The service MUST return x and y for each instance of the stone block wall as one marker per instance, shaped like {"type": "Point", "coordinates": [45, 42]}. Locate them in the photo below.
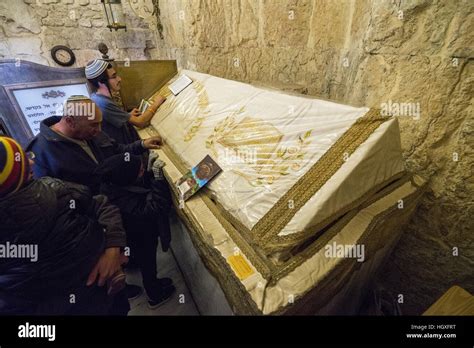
{"type": "Point", "coordinates": [403, 53]}
{"type": "Point", "coordinates": [30, 28]}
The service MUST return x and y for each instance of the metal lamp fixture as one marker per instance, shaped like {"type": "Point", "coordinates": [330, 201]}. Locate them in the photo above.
{"type": "Point", "coordinates": [114, 12]}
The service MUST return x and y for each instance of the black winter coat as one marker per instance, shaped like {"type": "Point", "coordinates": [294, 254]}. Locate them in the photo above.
{"type": "Point", "coordinates": [143, 208]}
{"type": "Point", "coordinates": [67, 224]}
{"type": "Point", "coordinates": [60, 158]}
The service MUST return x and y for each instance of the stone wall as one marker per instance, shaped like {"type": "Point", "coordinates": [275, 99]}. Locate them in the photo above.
{"type": "Point", "coordinates": [364, 52]}
{"type": "Point", "coordinates": [30, 28]}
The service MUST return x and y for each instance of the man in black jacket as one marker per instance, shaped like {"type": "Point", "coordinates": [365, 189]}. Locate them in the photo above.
{"type": "Point", "coordinates": [77, 237]}
{"type": "Point", "coordinates": [145, 210]}
{"type": "Point", "coordinates": [71, 147]}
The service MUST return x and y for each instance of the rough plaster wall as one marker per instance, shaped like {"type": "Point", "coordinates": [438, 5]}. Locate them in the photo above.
{"type": "Point", "coordinates": [364, 52]}
{"type": "Point", "coordinates": [30, 28]}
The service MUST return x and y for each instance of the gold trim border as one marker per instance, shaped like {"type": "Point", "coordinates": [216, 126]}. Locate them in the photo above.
{"type": "Point", "coordinates": [268, 227]}
{"type": "Point", "coordinates": [257, 250]}
{"type": "Point", "coordinates": [270, 271]}
{"type": "Point", "coordinates": [326, 236]}
{"type": "Point", "coordinates": [223, 217]}
{"type": "Point", "coordinates": [265, 233]}
{"type": "Point", "coordinates": [310, 302]}
{"type": "Point", "coordinates": [284, 242]}
{"type": "Point", "coordinates": [239, 298]}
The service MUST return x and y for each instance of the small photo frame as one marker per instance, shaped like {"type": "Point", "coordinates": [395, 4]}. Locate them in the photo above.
{"type": "Point", "coordinates": [197, 177]}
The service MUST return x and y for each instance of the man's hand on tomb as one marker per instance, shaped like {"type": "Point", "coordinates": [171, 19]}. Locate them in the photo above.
{"type": "Point", "coordinates": [153, 142]}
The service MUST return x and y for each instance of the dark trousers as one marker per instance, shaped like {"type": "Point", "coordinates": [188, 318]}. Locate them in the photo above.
{"type": "Point", "coordinates": [120, 305]}
{"type": "Point", "coordinates": [87, 300]}
{"type": "Point", "coordinates": [142, 236]}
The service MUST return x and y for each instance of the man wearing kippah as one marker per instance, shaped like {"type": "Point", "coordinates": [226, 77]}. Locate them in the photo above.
{"type": "Point", "coordinates": [71, 146]}
{"type": "Point", "coordinates": [73, 248]}
{"type": "Point", "coordinates": [117, 123]}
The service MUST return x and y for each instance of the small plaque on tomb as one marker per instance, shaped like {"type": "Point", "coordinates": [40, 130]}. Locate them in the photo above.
{"type": "Point", "coordinates": [240, 266]}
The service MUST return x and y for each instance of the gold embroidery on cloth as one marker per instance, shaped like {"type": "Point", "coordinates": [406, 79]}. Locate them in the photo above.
{"type": "Point", "coordinates": [233, 135]}
{"type": "Point", "coordinates": [279, 271]}
{"type": "Point", "coordinates": [265, 232]}
{"type": "Point", "coordinates": [255, 137]}
{"type": "Point", "coordinates": [272, 271]}
{"type": "Point", "coordinates": [256, 144]}
{"type": "Point", "coordinates": [171, 104]}
{"type": "Point", "coordinates": [228, 222]}
{"type": "Point", "coordinates": [203, 103]}
{"type": "Point", "coordinates": [268, 227]}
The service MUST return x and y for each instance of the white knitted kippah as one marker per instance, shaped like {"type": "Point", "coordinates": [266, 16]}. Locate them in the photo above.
{"type": "Point", "coordinates": [73, 98]}
{"type": "Point", "coordinates": [95, 68]}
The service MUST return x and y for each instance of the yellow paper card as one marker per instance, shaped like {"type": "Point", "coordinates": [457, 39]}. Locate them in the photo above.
{"type": "Point", "coordinates": [240, 266]}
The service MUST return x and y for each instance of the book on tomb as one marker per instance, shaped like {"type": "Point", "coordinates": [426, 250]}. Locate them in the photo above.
{"type": "Point", "coordinates": [197, 177]}
{"type": "Point", "coordinates": [180, 84]}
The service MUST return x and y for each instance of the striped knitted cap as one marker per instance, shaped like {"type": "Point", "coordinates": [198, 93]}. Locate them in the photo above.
{"type": "Point", "coordinates": [95, 68]}
{"type": "Point", "coordinates": [14, 166]}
